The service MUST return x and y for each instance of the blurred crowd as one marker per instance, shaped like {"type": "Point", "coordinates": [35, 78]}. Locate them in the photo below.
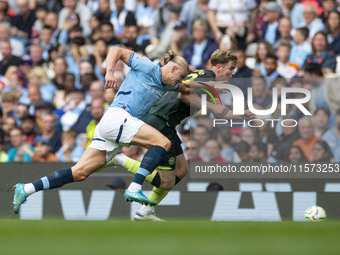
{"type": "Point", "coordinates": [52, 69]}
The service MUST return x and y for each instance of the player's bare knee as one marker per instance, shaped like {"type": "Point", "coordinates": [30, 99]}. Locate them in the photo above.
{"type": "Point", "coordinates": [166, 144]}
{"type": "Point", "coordinates": [79, 175]}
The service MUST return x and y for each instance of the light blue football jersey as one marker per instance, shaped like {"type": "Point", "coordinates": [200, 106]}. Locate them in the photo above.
{"type": "Point", "coordinates": [142, 87]}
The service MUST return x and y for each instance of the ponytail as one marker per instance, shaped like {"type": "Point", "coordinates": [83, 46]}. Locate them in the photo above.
{"type": "Point", "coordinates": [170, 56]}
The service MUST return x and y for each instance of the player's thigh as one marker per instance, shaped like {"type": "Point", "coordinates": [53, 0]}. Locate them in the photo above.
{"type": "Point", "coordinates": [148, 136]}
{"type": "Point", "coordinates": [91, 160]}
{"type": "Point", "coordinates": [182, 167]}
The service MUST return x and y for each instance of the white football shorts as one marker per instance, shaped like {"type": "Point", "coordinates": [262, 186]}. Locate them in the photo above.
{"type": "Point", "coordinates": [115, 130]}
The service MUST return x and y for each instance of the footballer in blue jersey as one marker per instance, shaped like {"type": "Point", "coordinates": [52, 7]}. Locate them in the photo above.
{"type": "Point", "coordinates": [122, 124]}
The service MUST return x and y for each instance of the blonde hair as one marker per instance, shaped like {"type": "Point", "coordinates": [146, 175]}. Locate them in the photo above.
{"type": "Point", "coordinates": [170, 56]}
{"type": "Point", "coordinates": [200, 23]}
{"type": "Point", "coordinates": [39, 72]}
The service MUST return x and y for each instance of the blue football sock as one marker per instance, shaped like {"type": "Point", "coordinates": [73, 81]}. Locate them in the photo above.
{"type": "Point", "coordinates": [149, 163]}
{"type": "Point", "coordinates": [54, 180]}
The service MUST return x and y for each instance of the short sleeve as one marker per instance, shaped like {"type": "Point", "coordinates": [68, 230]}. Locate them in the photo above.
{"type": "Point", "coordinates": [213, 5]}
{"type": "Point", "coordinates": [143, 64]}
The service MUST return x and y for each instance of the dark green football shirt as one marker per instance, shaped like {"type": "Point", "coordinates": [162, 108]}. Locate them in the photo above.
{"type": "Point", "coordinates": [170, 110]}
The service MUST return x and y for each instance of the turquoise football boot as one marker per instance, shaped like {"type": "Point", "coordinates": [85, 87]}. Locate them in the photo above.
{"type": "Point", "coordinates": [20, 196]}
{"type": "Point", "coordinates": [138, 197]}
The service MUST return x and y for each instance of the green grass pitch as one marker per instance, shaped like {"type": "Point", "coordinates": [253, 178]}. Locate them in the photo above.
{"type": "Point", "coordinates": [173, 237]}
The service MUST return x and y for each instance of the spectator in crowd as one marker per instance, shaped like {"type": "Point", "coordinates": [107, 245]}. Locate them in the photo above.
{"type": "Point", "coordinates": [194, 10]}
{"type": "Point", "coordinates": [70, 151]}
{"type": "Point", "coordinates": [257, 31]}
{"type": "Point", "coordinates": [213, 151]}
{"type": "Point", "coordinates": [117, 184]}
{"type": "Point", "coordinates": [248, 135]}
{"type": "Point", "coordinates": [293, 10]}
{"type": "Point", "coordinates": [146, 12]}
{"type": "Point", "coordinates": [40, 14]}
{"type": "Point", "coordinates": [332, 137]}
{"type": "Point", "coordinates": [192, 150]}
{"type": "Point", "coordinates": [180, 38]}
{"type": "Point", "coordinates": [6, 10]}
{"type": "Point", "coordinates": [42, 151]}
{"type": "Point", "coordinates": [51, 20]}
{"type": "Point", "coordinates": [18, 47]}
{"type": "Point", "coordinates": [311, 21]}
{"type": "Point", "coordinates": [201, 135]}
{"type": "Point", "coordinates": [46, 41]}
{"type": "Point", "coordinates": [96, 90]}
{"type": "Point", "coordinates": [232, 17]}
{"type": "Point", "coordinates": [36, 53]}
{"type": "Point", "coordinates": [103, 12]}
{"type": "Point", "coordinates": [321, 54]}
{"type": "Point", "coordinates": [9, 101]}
{"type": "Point", "coordinates": [50, 132]}
{"type": "Point", "coordinates": [100, 51]}
{"type": "Point", "coordinates": [86, 74]}
{"type": "Point", "coordinates": [34, 96]}
{"type": "Point", "coordinates": [224, 139]}
{"type": "Point", "coordinates": [279, 83]}
{"type": "Point", "coordinates": [284, 28]}
{"type": "Point", "coordinates": [241, 155]}
{"type": "Point", "coordinates": [97, 111]}
{"type": "Point", "coordinates": [28, 127]}
{"type": "Point", "coordinates": [63, 96]}
{"type": "Point", "coordinates": [3, 154]}
{"type": "Point", "coordinates": [270, 29]}
{"type": "Point", "coordinates": [333, 31]}
{"type": "Point", "coordinates": [160, 46]}
{"type": "Point", "coordinates": [78, 7]}
{"type": "Point", "coordinates": [7, 58]}
{"type": "Point", "coordinates": [278, 145]}
{"type": "Point", "coordinates": [20, 151]}
{"type": "Point", "coordinates": [260, 95]}
{"type": "Point", "coordinates": [321, 117]}
{"type": "Point", "coordinates": [295, 155]}
{"type": "Point", "coordinates": [301, 48]}
{"type": "Point", "coordinates": [20, 112]}
{"type": "Point", "coordinates": [314, 75]}
{"type": "Point", "coordinates": [285, 68]}
{"type": "Point", "coordinates": [37, 76]}
{"type": "Point", "coordinates": [73, 110]}
{"type": "Point", "coordinates": [264, 131]}
{"type": "Point", "coordinates": [60, 69]}
{"type": "Point", "coordinates": [242, 70]}
{"type": "Point", "coordinates": [94, 24]}
{"type": "Point", "coordinates": [8, 124]}
{"type": "Point", "coordinates": [162, 18]}
{"type": "Point", "coordinates": [328, 6]}
{"type": "Point", "coordinates": [258, 152]}
{"type": "Point", "coordinates": [214, 186]}
{"type": "Point", "coordinates": [263, 49]}
{"type": "Point", "coordinates": [120, 18]}
{"type": "Point", "coordinates": [308, 138]}
{"type": "Point", "coordinates": [23, 22]}
{"type": "Point", "coordinates": [270, 69]}
{"type": "Point", "coordinates": [198, 52]}
{"type": "Point", "coordinates": [322, 152]}
{"type": "Point", "coordinates": [107, 33]}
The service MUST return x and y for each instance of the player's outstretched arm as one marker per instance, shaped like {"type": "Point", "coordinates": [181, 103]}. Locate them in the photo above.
{"type": "Point", "coordinates": [114, 55]}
